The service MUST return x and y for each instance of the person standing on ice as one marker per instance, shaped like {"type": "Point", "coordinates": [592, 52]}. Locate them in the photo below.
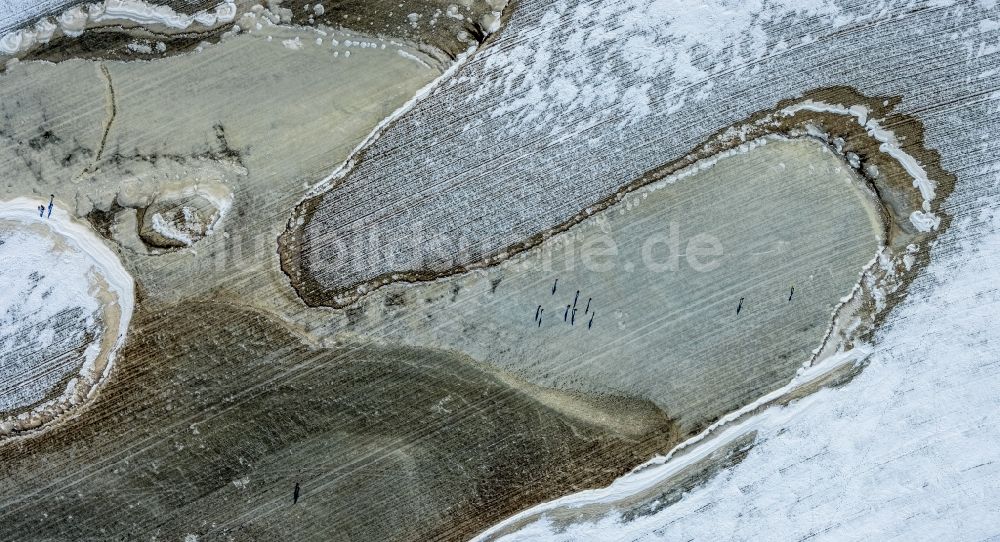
{"type": "Point", "coordinates": [51, 198]}
{"type": "Point", "coordinates": [41, 211]}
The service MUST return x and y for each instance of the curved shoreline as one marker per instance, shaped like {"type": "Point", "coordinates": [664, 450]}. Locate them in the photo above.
{"type": "Point", "coordinates": [847, 344]}
{"type": "Point", "coordinates": [74, 21]}
{"type": "Point", "coordinates": [909, 188]}
{"type": "Point", "coordinates": [689, 454]}
{"type": "Point", "coordinates": [120, 292]}
{"type": "Point", "coordinates": [835, 116]}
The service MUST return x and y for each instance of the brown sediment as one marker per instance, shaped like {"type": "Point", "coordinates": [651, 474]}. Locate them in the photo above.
{"type": "Point", "coordinates": [61, 406]}
{"type": "Point", "coordinates": [386, 18]}
{"type": "Point", "coordinates": [444, 41]}
{"type": "Point", "coordinates": [388, 443]}
{"type": "Point", "coordinates": [648, 503]}
{"type": "Point", "coordinates": [111, 43]}
{"type": "Point", "coordinates": [670, 490]}
{"type": "Point", "coordinates": [112, 112]}
{"type": "Point", "coordinates": [842, 133]}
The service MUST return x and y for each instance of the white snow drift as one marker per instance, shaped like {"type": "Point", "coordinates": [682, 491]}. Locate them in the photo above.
{"type": "Point", "coordinates": [66, 305]}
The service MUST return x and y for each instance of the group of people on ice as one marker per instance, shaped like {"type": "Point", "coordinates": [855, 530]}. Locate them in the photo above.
{"type": "Point", "coordinates": [41, 208]}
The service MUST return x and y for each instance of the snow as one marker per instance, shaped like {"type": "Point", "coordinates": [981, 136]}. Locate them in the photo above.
{"type": "Point", "coordinates": [452, 11]}
{"type": "Point", "coordinates": [140, 48]}
{"type": "Point", "coordinates": [51, 268]}
{"type": "Point", "coordinates": [908, 449]}
{"type": "Point", "coordinates": [491, 21]}
{"type": "Point", "coordinates": [603, 92]}
{"type": "Point", "coordinates": [169, 230]}
{"type": "Point", "coordinates": [140, 12]}
{"type": "Point", "coordinates": [34, 295]}
{"type": "Point", "coordinates": [912, 437]}
{"type": "Point", "coordinates": [410, 56]}
{"type": "Point", "coordinates": [924, 221]}
{"type": "Point", "coordinates": [344, 168]}
{"type": "Point", "coordinates": [586, 44]}
{"type": "Point", "coordinates": [659, 469]}
{"type": "Point", "coordinates": [73, 21]}
{"type": "Point", "coordinates": [905, 451]}
{"type": "Point", "coordinates": [219, 195]}
{"type": "Point", "coordinates": [16, 13]}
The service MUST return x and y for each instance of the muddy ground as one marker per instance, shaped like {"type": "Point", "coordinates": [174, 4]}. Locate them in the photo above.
{"type": "Point", "coordinates": [223, 397]}
{"type": "Point", "coordinates": [231, 389]}
{"type": "Point", "coordinates": [216, 412]}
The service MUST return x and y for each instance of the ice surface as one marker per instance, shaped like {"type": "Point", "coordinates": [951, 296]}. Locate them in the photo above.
{"type": "Point", "coordinates": [579, 98]}
{"type": "Point", "coordinates": [906, 451]}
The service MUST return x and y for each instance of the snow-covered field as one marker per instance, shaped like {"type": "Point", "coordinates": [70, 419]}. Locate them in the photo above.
{"type": "Point", "coordinates": [57, 18]}
{"type": "Point", "coordinates": [16, 13]}
{"type": "Point", "coordinates": [598, 92]}
{"type": "Point", "coordinates": [906, 451]}
{"type": "Point", "coordinates": [578, 98]}
{"type": "Point", "coordinates": [62, 290]}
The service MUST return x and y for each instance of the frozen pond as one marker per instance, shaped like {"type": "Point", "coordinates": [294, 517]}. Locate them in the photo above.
{"type": "Point", "coordinates": [660, 277]}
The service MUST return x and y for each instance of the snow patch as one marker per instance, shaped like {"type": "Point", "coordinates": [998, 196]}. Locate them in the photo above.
{"type": "Point", "coordinates": [907, 449]}
{"type": "Point", "coordinates": [170, 230]}
{"type": "Point", "coordinates": [74, 21]}
{"type": "Point", "coordinates": [54, 267]}
{"type": "Point", "coordinates": [588, 46]}
{"type": "Point", "coordinates": [410, 56]}
{"type": "Point", "coordinates": [925, 220]}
